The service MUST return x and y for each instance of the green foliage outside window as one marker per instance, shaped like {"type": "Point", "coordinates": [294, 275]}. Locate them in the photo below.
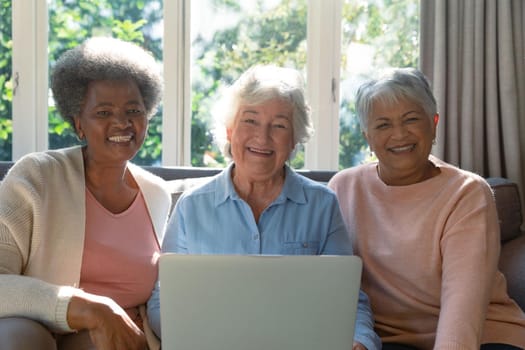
{"type": "Point", "coordinates": [276, 35]}
{"type": "Point", "coordinates": [71, 22]}
{"type": "Point", "coordinates": [6, 88]}
{"type": "Point", "coordinates": [391, 27]}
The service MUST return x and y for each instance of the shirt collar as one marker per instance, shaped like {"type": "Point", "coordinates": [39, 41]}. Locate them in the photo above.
{"type": "Point", "coordinates": [292, 188]}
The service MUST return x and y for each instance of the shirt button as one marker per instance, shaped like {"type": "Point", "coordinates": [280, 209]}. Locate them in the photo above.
{"type": "Point", "coordinates": [305, 245]}
{"type": "Point", "coordinates": [255, 236]}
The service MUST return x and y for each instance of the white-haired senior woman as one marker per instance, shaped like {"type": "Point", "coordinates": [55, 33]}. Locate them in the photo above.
{"type": "Point", "coordinates": [265, 116]}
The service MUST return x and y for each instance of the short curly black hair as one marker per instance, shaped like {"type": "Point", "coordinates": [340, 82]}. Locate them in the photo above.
{"type": "Point", "coordinates": [103, 58]}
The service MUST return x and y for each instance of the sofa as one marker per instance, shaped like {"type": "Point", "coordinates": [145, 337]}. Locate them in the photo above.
{"type": "Point", "coordinates": [506, 193]}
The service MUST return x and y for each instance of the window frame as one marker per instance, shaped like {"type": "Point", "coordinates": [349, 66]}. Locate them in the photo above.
{"type": "Point", "coordinates": [30, 75]}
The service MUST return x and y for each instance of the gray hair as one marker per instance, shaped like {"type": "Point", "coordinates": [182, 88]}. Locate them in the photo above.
{"type": "Point", "coordinates": [257, 85]}
{"type": "Point", "coordinates": [103, 58]}
{"type": "Point", "coordinates": [402, 83]}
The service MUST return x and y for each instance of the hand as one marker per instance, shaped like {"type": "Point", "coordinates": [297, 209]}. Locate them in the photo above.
{"type": "Point", "coordinates": [109, 326]}
{"type": "Point", "coordinates": [358, 346]}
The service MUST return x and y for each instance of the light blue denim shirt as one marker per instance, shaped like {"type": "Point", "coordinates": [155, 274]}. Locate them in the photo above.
{"type": "Point", "coordinates": [304, 219]}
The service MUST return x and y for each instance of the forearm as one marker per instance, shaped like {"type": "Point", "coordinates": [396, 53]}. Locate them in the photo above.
{"type": "Point", "coordinates": [29, 297]}
{"type": "Point", "coordinates": [364, 325]}
{"type": "Point", "coordinates": [154, 310]}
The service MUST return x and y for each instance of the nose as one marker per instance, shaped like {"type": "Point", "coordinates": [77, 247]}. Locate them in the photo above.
{"type": "Point", "coordinates": [264, 132]}
{"type": "Point", "coordinates": [399, 131]}
{"type": "Point", "coordinates": [121, 118]}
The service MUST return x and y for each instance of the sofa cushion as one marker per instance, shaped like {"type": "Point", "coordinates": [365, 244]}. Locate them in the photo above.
{"type": "Point", "coordinates": [176, 187]}
{"type": "Point", "coordinates": [512, 264]}
{"type": "Point", "coordinates": [508, 203]}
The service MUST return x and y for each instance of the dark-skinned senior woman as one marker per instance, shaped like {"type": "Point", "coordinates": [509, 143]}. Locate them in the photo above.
{"type": "Point", "coordinates": [80, 228]}
{"type": "Point", "coordinates": [427, 231]}
{"type": "Point", "coordinates": [258, 204]}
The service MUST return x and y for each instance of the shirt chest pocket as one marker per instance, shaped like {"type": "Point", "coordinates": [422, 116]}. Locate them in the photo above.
{"type": "Point", "coordinates": [301, 248]}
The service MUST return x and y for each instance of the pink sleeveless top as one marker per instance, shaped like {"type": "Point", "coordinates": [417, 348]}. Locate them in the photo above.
{"type": "Point", "coordinates": [120, 254]}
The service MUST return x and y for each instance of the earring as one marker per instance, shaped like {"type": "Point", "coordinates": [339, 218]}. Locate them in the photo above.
{"type": "Point", "coordinates": [434, 141]}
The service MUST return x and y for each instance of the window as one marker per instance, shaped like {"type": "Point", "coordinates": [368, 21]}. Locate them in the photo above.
{"type": "Point", "coordinates": [226, 39]}
{"type": "Point", "coordinates": [71, 22]}
{"type": "Point", "coordinates": [6, 83]}
{"type": "Point", "coordinates": [205, 44]}
{"type": "Point", "coordinates": [376, 35]}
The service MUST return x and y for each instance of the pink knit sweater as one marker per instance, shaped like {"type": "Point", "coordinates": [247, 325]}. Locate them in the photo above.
{"type": "Point", "coordinates": [430, 252]}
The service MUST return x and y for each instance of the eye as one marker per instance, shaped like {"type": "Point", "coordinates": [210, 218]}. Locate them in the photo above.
{"type": "Point", "coordinates": [103, 113]}
{"type": "Point", "coordinates": [280, 126]}
{"type": "Point", "coordinates": [135, 111]}
{"type": "Point", "coordinates": [412, 119]}
{"type": "Point", "coordinates": [249, 121]}
{"type": "Point", "coordinates": [382, 126]}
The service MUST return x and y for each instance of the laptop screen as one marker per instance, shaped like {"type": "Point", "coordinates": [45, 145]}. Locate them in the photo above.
{"type": "Point", "coordinates": [244, 302]}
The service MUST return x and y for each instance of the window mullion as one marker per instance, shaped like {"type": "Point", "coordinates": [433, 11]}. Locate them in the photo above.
{"type": "Point", "coordinates": [176, 123]}
{"type": "Point", "coordinates": [30, 77]}
{"type": "Point", "coordinates": [323, 74]}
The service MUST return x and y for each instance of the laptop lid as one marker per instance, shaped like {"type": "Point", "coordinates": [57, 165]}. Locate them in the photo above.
{"type": "Point", "coordinates": [241, 302]}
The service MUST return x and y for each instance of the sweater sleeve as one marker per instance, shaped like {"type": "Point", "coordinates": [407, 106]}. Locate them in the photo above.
{"type": "Point", "coordinates": [20, 295]}
{"type": "Point", "coordinates": [23, 296]}
{"type": "Point", "coordinates": [470, 248]}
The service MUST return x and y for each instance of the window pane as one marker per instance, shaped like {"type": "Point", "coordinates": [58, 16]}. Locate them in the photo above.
{"type": "Point", "coordinates": [6, 84]}
{"type": "Point", "coordinates": [71, 22]}
{"type": "Point", "coordinates": [376, 35]}
{"type": "Point", "coordinates": [227, 37]}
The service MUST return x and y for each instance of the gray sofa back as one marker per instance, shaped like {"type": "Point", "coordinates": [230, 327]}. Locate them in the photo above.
{"type": "Point", "coordinates": [506, 193]}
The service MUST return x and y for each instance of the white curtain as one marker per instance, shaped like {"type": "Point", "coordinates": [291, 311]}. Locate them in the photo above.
{"type": "Point", "coordinates": [473, 52]}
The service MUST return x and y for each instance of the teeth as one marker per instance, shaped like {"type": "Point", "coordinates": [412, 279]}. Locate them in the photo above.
{"type": "Point", "coordinates": [402, 149]}
{"type": "Point", "coordinates": [119, 138]}
{"type": "Point", "coordinates": [260, 150]}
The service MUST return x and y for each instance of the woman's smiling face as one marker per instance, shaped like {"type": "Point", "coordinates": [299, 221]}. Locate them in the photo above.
{"type": "Point", "coordinates": [400, 134]}
{"type": "Point", "coordinates": [261, 138]}
{"type": "Point", "coordinates": [112, 120]}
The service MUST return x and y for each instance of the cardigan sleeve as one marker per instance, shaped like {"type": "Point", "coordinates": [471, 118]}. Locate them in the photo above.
{"type": "Point", "coordinates": [21, 295]}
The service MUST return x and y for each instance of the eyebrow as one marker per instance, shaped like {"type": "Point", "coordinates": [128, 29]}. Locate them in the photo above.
{"type": "Point", "coordinates": [402, 116]}
{"type": "Point", "coordinates": [280, 116]}
{"type": "Point", "coordinates": [283, 116]}
{"type": "Point", "coordinates": [110, 104]}
{"type": "Point", "coordinates": [411, 111]}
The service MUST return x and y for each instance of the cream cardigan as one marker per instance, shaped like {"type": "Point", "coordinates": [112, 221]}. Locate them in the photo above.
{"type": "Point", "coordinates": [42, 224]}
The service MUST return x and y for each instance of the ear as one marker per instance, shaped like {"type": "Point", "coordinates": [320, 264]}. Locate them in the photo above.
{"type": "Point", "coordinates": [229, 134]}
{"type": "Point", "coordinates": [436, 120]}
{"type": "Point", "coordinates": [78, 127]}
{"type": "Point", "coordinates": [365, 135]}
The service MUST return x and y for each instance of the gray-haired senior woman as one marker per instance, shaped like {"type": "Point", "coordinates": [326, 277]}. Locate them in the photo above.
{"type": "Point", "coordinates": [81, 227]}
{"type": "Point", "coordinates": [258, 204]}
{"type": "Point", "coordinates": [427, 231]}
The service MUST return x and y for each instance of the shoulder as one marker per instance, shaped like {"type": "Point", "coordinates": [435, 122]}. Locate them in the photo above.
{"type": "Point", "coordinates": [462, 183]}
{"type": "Point", "coordinates": [202, 185]}
{"type": "Point", "coordinates": [460, 176]}
{"type": "Point", "coordinates": [49, 164]}
{"type": "Point", "coordinates": [351, 175]}
{"type": "Point", "coordinates": [303, 190]}
{"type": "Point", "coordinates": [306, 182]}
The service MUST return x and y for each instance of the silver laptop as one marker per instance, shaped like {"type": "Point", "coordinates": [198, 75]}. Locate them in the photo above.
{"type": "Point", "coordinates": [244, 302]}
